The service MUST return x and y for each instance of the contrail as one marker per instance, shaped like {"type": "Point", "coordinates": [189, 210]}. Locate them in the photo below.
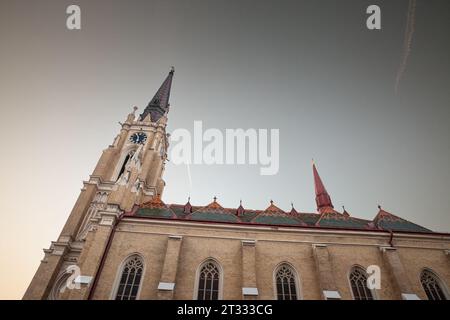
{"type": "Point", "coordinates": [407, 42]}
{"type": "Point", "coordinates": [189, 176]}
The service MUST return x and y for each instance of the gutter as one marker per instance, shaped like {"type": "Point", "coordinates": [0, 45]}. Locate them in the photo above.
{"type": "Point", "coordinates": [391, 238]}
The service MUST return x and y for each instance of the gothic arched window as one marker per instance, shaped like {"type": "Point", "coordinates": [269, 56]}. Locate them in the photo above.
{"type": "Point", "coordinates": [432, 286]}
{"type": "Point", "coordinates": [286, 283]}
{"type": "Point", "coordinates": [130, 278]}
{"type": "Point", "coordinates": [124, 164]}
{"type": "Point", "coordinates": [209, 281]}
{"type": "Point", "coordinates": [358, 283]}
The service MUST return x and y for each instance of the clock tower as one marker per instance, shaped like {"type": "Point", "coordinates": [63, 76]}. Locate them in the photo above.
{"type": "Point", "coordinates": [128, 173]}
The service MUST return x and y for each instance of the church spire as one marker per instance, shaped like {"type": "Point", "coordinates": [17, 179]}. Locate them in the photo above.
{"type": "Point", "coordinates": [159, 105]}
{"type": "Point", "coordinates": [323, 199]}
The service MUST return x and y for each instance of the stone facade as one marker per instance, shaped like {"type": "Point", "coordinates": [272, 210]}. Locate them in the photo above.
{"type": "Point", "coordinates": [119, 213]}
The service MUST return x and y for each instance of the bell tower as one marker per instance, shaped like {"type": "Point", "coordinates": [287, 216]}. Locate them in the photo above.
{"type": "Point", "coordinates": [128, 173]}
{"type": "Point", "coordinates": [134, 163]}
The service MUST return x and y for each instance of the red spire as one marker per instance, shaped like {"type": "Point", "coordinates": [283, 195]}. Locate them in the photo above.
{"type": "Point", "coordinates": [323, 199]}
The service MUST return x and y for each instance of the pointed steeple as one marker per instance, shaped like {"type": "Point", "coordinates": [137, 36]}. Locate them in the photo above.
{"type": "Point", "coordinates": [159, 105]}
{"type": "Point", "coordinates": [323, 199]}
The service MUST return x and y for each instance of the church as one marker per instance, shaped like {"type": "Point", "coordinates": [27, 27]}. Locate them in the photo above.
{"type": "Point", "coordinates": [121, 241]}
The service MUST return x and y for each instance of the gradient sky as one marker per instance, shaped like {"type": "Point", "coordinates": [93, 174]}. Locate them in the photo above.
{"type": "Point", "coordinates": [308, 68]}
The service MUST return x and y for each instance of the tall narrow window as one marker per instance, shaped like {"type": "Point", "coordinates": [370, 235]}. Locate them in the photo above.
{"type": "Point", "coordinates": [208, 281]}
{"type": "Point", "coordinates": [130, 279]}
{"type": "Point", "coordinates": [432, 286]}
{"type": "Point", "coordinates": [358, 282]}
{"type": "Point", "coordinates": [286, 283]}
{"type": "Point", "coordinates": [124, 164]}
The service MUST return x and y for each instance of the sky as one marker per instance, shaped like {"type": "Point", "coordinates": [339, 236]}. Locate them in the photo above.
{"type": "Point", "coordinates": [311, 69]}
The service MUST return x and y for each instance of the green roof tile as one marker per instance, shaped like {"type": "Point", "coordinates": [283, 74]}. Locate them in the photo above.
{"type": "Point", "coordinates": [282, 220]}
{"type": "Point", "coordinates": [212, 216]}
{"type": "Point", "coordinates": [401, 226]}
{"type": "Point", "coordinates": [154, 212]}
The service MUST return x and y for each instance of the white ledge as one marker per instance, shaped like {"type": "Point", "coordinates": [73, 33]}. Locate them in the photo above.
{"type": "Point", "coordinates": [331, 295]}
{"type": "Point", "coordinates": [166, 286]}
{"type": "Point", "coordinates": [385, 248]}
{"type": "Point", "coordinates": [410, 296]}
{"type": "Point", "coordinates": [83, 279]}
{"type": "Point", "coordinates": [248, 242]}
{"type": "Point", "coordinates": [247, 291]}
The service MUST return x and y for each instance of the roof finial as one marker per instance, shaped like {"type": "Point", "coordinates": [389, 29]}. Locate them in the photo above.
{"type": "Point", "coordinates": [172, 69]}
{"type": "Point", "coordinates": [344, 212]}
{"type": "Point", "coordinates": [292, 205]}
{"type": "Point", "coordinates": [271, 201]}
{"type": "Point", "coordinates": [240, 210]}
{"type": "Point", "coordinates": [379, 207]}
{"type": "Point", "coordinates": [215, 199]}
{"type": "Point", "coordinates": [187, 209]}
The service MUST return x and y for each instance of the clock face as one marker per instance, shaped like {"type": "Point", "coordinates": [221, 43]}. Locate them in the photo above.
{"type": "Point", "coordinates": [138, 137]}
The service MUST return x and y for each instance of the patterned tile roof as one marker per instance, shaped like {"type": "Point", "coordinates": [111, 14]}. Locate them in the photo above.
{"type": "Point", "coordinates": [273, 215]}
{"type": "Point", "coordinates": [276, 216]}
{"type": "Point", "coordinates": [387, 221]}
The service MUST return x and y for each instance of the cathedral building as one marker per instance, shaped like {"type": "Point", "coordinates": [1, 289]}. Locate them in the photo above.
{"type": "Point", "coordinates": [122, 241]}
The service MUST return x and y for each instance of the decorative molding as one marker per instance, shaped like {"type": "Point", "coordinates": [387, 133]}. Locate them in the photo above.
{"type": "Point", "coordinates": [148, 191]}
{"type": "Point", "coordinates": [249, 243]}
{"type": "Point", "coordinates": [107, 220]}
{"type": "Point", "coordinates": [83, 279]}
{"type": "Point", "coordinates": [142, 126]}
{"type": "Point", "coordinates": [385, 249]}
{"type": "Point", "coordinates": [101, 185]}
{"type": "Point", "coordinates": [166, 286]}
{"type": "Point", "coordinates": [319, 245]}
{"type": "Point", "coordinates": [92, 216]}
{"type": "Point", "coordinates": [64, 239]}
{"type": "Point", "coordinates": [248, 291]}
{"type": "Point", "coordinates": [175, 237]}
{"type": "Point", "coordinates": [129, 220]}
{"type": "Point", "coordinates": [109, 215]}
{"type": "Point", "coordinates": [410, 296]}
{"type": "Point", "coordinates": [447, 252]}
{"type": "Point", "coordinates": [59, 248]}
{"type": "Point", "coordinates": [331, 295]}
{"type": "Point", "coordinates": [297, 230]}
